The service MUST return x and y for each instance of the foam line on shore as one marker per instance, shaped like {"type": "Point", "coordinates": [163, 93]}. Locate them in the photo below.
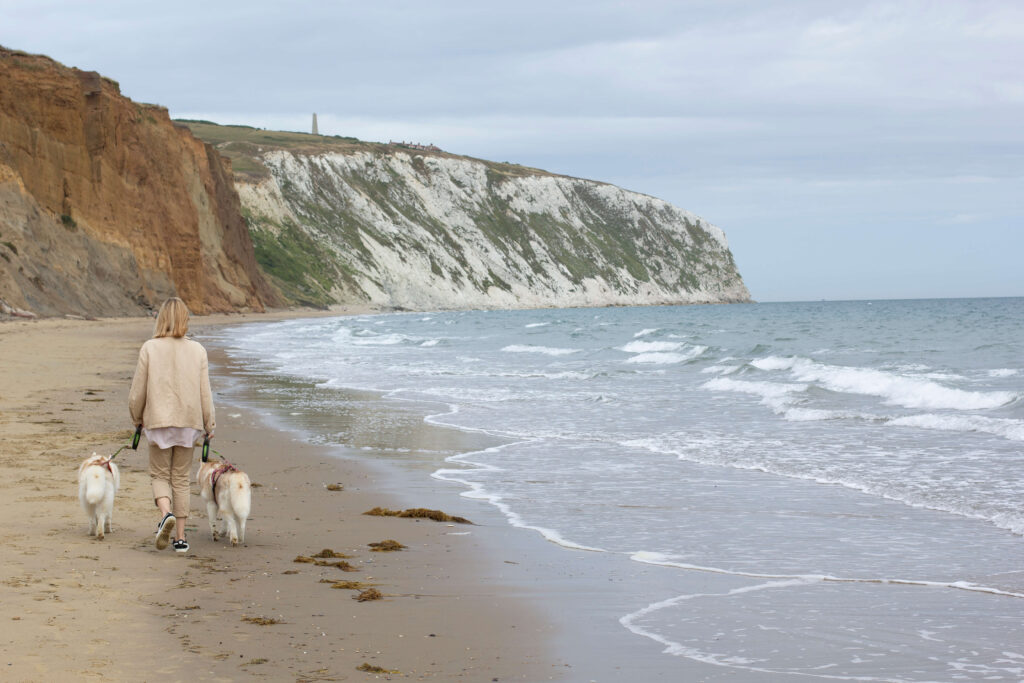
{"type": "Point", "coordinates": [772, 581]}
{"type": "Point", "coordinates": [476, 490]}
{"type": "Point", "coordinates": [1013, 523]}
{"type": "Point", "coordinates": [680, 650]}
{"type": "Point", "coordinates": [663, 561]}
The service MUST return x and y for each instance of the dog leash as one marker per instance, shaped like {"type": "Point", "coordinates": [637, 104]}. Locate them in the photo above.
{"type": "Point", "coordinates": [207, 450]}
{"type": "Point", "coordinates": [134, 445]}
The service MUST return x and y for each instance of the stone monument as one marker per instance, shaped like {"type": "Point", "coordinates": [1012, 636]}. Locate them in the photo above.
{"type": "Point", "coordinates": [316, 131]}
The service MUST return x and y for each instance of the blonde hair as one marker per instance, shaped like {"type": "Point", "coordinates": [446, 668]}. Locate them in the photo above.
{"type": "Point", "coordinates": [172, 320]}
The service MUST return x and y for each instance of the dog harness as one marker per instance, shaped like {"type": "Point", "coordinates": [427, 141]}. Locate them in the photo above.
{"type": "Point", "coordinates": [103, 463]}
{"type": "Point", "coordinates": [226, 467]}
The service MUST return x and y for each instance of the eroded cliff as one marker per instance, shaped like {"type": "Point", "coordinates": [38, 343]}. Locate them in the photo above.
{"type": "Point", "coordinates": [107, 207]}
{"type": "Point", "coordinates": [338, 220]}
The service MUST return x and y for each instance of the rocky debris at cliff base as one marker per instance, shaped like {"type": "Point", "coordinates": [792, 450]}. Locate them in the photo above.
{"type": "Point", "coordinates": [10, 311]}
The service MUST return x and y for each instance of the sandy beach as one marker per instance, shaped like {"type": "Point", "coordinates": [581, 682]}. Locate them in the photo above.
{"type": "Point", "coordinates": [80, 609]}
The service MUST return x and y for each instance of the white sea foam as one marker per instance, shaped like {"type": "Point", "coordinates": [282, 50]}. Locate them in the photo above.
{"type": "Point", "coordinates": [720, 369]}
{"type": "Point", "coordinates": [908, 392]}
{"type": "Point", "coordinates": [771, 582]}
{"type": "Point", "coordinates": [1004, 427]}
{"type": "Point", "coordinates": [536, 325]}
{"type": "Point", "coordinates": [674, 648]}
{"type": "Point", "coordinates": [665, 560]}
{"type": "Point", "coordinates": [818, 414]}
{"type": "Point", "coordinates": [478, 492]}
{"type": "Point", "coordinates": [431, 342]}
{"type": "Point", "coordinates": [381, 340]}
{"type": "Point", "coordinates": [645, 332]}
{"type": "Point", "coordinates": [1003, 372]}
{"type": "Point", "coordinates": [546, 350]}
{"type": "Point", "coordinates": [647, 347]}
{"type": "Point", "coordinates": [664, 357]}
{"type": "Point", "coordinates": [746, 454]}
{"type": "Point", "coordinates": [766, 390]}
{"type": "Point", "coordinates": [660, 358]}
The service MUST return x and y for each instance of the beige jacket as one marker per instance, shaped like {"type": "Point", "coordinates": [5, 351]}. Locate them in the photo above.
{"type": "Point", "coordinates": [171, 387]}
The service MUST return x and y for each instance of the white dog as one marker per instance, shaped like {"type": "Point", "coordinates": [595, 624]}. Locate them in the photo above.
{"type": "Point", "coordinates": [227, 492]}
{"type": "Point", "coordinates": [98, 481]}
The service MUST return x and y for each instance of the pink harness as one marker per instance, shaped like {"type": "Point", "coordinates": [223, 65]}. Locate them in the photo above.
{"type": "Point", "coordinates": [226, 467]}
{"type": "Point", "coordinates": [103, 463]}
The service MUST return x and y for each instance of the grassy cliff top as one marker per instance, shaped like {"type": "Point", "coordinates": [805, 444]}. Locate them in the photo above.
{"type": "Point", "coordinates": [244, 145]}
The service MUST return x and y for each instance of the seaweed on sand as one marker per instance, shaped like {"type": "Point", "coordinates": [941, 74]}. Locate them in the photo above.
{"type": "Point", "coordinates": [316, 559]}
{"type": "Point", "coordinates": [262, 621]}
{"type": "Point", "coordinates": [387, 546]}
{"type": "Point", "coordinates": [369, 594]}
{"type": "Point", "coordinates": [370, 668]}
{"type": "Point", "coordinates": [420, 513]}
{"type": "Point", "coordinates": [347, 585]}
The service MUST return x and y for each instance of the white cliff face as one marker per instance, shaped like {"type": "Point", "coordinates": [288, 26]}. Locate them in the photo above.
{"type": "Point", "coordinates": [435, 232]}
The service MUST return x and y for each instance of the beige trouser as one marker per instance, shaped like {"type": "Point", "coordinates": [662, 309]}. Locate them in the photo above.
{"type": "Point", "coordinates": [169, 470]}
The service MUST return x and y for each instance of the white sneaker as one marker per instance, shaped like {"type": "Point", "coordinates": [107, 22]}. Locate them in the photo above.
{"type": "Point", "coordinates": [163, 530]}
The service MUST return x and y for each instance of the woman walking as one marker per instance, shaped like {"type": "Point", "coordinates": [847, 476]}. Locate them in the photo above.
{"type": "Point", "coordinates": [170, 399]}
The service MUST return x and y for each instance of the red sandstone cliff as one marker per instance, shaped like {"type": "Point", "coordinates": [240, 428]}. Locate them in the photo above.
{"type": "Point", "coordinates": [107, 207]}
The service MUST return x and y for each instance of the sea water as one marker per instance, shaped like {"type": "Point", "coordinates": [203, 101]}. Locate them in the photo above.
{"type": "Point", "coordinates": [851, 474]}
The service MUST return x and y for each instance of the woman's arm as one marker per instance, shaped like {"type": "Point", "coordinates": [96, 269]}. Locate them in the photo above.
{"type": "Point", "coordinates": [209, 416]}
{"type": "Point", "coordinates": [137, 394]}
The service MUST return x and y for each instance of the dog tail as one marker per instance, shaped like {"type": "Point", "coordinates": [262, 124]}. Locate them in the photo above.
{"type": "Point", "coordinates": [95, 484]}
{"type": "Point", "coordinates": [242, 495]}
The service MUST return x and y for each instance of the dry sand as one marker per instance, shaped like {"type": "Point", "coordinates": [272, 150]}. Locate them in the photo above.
{"type": "Point", "coordinates": [75, 608]}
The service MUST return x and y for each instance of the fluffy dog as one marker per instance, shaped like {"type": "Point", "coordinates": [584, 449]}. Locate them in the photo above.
{"type": "Point", "coordinates": [227, 492]}
{"type": "Point", "coordinates": [98, 481]}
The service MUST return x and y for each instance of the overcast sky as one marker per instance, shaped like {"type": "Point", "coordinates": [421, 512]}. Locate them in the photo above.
{"type": "Point", "coordinates": [848, 149]}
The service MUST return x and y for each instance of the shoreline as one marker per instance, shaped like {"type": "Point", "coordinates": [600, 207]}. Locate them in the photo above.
{"type": "Point", "coordinates": [578, 593]}
{"type": "Point", "coordinates": [120, 609]}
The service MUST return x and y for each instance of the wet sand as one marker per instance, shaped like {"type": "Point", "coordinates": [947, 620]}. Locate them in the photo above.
{"type": "Point", "coordinates": [75, 608]}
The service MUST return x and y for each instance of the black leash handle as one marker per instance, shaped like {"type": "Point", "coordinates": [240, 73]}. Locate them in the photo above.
{"type": "Point", "coordinates": [134, 445]}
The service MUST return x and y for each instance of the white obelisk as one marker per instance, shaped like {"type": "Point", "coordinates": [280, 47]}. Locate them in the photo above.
{"type": "Point", "coordinates": [316, 131]}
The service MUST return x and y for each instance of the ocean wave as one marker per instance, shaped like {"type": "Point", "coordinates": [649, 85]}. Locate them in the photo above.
{"type": "Point", "coordinates": [382, 340]}
{"type": "Point", "coordinates": [661, 358]}
{"type": "Point", "coordinates": [647, 347]}
{"type": "Point", "coordinates": [1003, 372]}
{"type": "Point", "coordinates": [766, 390]}
{"type": "Point", "coordinates": [531, 325]}
{"type": "Point", "coordinates": [645, 332]}
{"type": "Point", "coordinates": [909, 392]}
{"type": "Point", "coordinates": [817, 414]}
{"type": "Point", "coordinates": [1004, 427]}
{"type": "Point", "coordinates": [720, 369]}
{"type": "Point", "coordinates": [546, 350]}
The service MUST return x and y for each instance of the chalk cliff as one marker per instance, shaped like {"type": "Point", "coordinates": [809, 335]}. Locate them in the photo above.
{"type": "Point", "coordinates": [338, 220]}
{"type": "Point", "coordinates": [107, 207]}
